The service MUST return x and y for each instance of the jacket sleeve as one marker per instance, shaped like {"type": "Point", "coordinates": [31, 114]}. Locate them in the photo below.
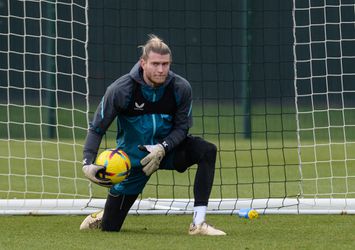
{"type": "Point", "coordinates": [183, 117]}
{"type": "Point", "coordinates": [103, 117]}
{"type": "Point", "coordinates": [116, 99]}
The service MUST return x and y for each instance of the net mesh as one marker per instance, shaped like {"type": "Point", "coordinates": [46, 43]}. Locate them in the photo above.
{"type": "Point", "coordinates": [247, 61]}
{"type": "Point", "coordinates": [43, 104]}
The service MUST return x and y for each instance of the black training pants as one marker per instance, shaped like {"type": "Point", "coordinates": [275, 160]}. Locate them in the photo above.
{"type": "Point", "coordinates": [193, 150]}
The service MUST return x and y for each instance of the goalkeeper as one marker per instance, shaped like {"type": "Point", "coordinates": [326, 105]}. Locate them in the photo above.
{"type": "Point", "coordinates": [153, 110]}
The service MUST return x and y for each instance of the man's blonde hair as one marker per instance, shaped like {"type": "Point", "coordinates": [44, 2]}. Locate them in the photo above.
{"type": "Point", "coordinates": [156, 45]}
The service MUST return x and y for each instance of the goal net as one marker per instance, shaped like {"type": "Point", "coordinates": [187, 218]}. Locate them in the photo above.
{"type": "Point", "coordinates": [273, 89]}
{"type": "Point", "coordinates": [43, 102]}
{"type": "Point", "coordinates": [324, 39]}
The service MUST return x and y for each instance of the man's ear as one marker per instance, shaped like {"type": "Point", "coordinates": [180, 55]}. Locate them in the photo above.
{"type": "Point", "coordinates": [142, 62]}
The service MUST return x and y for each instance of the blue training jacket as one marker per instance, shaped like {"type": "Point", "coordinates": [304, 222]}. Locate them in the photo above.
{"type": "Point", "coordinates": [145, 129]}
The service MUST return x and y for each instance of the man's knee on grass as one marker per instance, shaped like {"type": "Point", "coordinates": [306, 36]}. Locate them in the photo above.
{"type": "Point", "coordinates": [116, 210]}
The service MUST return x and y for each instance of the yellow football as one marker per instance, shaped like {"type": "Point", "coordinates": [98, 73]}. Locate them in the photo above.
{"type": "Point", "coordinates": [117, 165]}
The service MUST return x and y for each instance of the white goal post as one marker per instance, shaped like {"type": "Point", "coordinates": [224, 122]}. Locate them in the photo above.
{"type": "Point", "coordinates": [44, 114]}
{"type": "Point", "coordinates": [179, 206]}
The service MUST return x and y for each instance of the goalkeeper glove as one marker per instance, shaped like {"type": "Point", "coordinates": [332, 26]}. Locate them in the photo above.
{"type": "Point", "coordinates": [92, 172]}
{"type": "Point", "coordinates": [152, 160]}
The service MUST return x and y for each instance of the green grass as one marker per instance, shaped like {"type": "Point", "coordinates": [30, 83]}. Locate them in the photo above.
{"type": "Point", "coordinates": [266, 165]}
{"type": "Point", "coordinates": [170, 232]}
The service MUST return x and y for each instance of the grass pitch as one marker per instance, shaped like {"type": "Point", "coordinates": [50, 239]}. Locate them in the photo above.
{"type": "Point", "coordinates": [265, 166]}
{"type": "Point", "coordinates": [170, 232]}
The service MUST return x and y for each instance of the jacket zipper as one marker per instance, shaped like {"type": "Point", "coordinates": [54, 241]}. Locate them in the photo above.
{"type": "Point", "coordinates": [154, 120]}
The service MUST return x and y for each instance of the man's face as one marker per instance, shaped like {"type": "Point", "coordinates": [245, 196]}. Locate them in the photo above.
{"type": "Point", "coordinates": [155, 68]}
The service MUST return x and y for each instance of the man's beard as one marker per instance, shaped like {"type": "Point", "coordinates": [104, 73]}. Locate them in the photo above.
{"type": "Point", "coordinates": [155, 82]}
